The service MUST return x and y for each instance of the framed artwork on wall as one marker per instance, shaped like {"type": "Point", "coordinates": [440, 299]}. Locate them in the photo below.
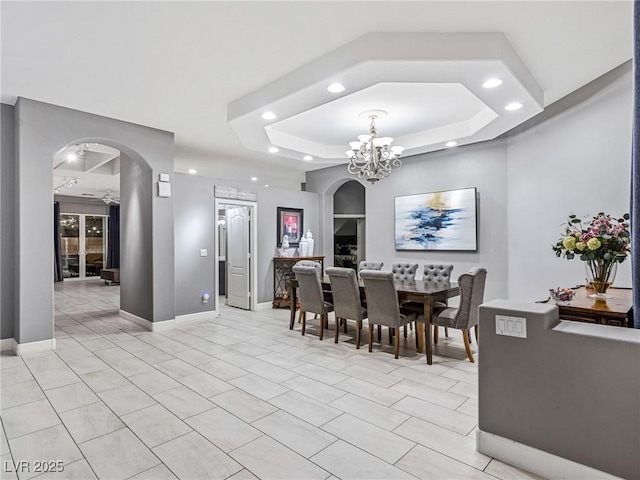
{"type": "Point", "coordinates": [437, 221]}
{"type": "Point", "coordinates": [290, 224]}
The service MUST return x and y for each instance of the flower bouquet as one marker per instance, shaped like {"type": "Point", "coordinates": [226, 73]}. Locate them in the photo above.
{"type": "Point", "coordinates": [601, 244]}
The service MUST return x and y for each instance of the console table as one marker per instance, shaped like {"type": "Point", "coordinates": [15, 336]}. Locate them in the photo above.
{"type": "Point", "coordinates": [616, 310]}
{"type": "Point", "coordinates": [282, 273]}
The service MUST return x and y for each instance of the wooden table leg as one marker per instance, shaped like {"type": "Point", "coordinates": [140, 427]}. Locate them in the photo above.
{"type": "Point", "coordinates": [419, 328]}
{"type": "Point", "coordinates": [293, 296]}
{"type": "Point", "coordinates": [428, 313]}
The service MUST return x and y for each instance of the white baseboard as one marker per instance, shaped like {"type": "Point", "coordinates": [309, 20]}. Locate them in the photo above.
{"type": "Point", "coordinates": [264, 306]}
{"type": "Point", "coordinates": [34, 347]}
{"type": "Point", "coordinates": [182, 320]}
{"type": "Point", "coordinates": [151, 326]}
{"type": "Point", "coordinates": [7, 345]}
{"type": "Point", "coordinates": [533, 460]}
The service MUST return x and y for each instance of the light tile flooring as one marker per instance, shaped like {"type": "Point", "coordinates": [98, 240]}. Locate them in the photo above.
{"type": "Point", "coordinates": [241, 397]}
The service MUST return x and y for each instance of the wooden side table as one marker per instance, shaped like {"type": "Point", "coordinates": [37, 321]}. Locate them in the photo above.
{"type": "Point", "coordinates": [616, 310]}
{"type": "Point", "coordinates": [282, 273]}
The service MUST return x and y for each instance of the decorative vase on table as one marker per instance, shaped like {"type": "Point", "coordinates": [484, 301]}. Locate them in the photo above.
{"type": "Point", "coordinates": [600, 275]}
{"type": "Point", "coordinates": [601, 244]}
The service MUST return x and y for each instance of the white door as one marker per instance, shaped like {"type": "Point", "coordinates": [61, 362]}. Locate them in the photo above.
{"type": "Point", "coordinates": [238, 257]}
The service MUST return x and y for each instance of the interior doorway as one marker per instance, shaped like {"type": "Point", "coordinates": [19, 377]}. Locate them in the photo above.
{"type": "Point", "coordinates": [349, 225]}
{"type": "Point", "coordinates": [236, 241]}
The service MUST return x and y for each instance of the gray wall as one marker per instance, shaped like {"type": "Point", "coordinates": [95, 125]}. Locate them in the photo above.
{"type": "Point", "coordinates": [7, 221]}
{"type": "Point", "coordinates": [136, 236]}
{"type": "Point", "coordinates": [42, 130]}
{"type": "Point", "coordinates": [195, 224]}
{"type": "Point", "coordinates": [572, 391]}
{"type": "Point", "coordinates": [578, 161]}
{"type": "Point", "coordinates": [483, 166]}
{"type": "Point", "coordinates": [195, 211]}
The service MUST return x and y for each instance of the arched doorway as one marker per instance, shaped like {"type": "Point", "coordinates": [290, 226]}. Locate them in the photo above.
{"type": "Point", "coordinates": [145, 154]}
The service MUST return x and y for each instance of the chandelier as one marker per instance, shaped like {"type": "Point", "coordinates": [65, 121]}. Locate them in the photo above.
{"type": "Point", "coordinates": [373, 157]}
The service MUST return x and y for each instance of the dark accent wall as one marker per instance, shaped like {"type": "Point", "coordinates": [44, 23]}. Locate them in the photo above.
{"type": "Point", "coordinates": [7, 221]}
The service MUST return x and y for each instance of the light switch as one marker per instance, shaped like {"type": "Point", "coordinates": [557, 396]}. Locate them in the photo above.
{"type": "Point", "coordinates": [203, 252]}
{"type": "Point", "coordinates": [511, 326]}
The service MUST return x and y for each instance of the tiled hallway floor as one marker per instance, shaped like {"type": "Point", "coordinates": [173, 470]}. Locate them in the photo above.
{"type": "Point", "coordinates": [239, 397]}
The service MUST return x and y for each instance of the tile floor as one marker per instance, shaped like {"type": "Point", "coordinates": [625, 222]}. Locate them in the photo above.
{"type": "Point", "coordinates": [241, 397]}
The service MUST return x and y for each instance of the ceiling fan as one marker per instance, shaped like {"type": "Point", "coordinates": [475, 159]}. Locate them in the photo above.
{"type": "Point", "coordinates": [108, 199]}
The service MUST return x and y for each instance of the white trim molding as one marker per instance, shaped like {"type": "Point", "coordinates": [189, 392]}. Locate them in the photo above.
{"type": "Point", "coordinates": [189, 318]}
{"type": "Point", "coordinates": [264, 306]}
{"type": "Point", "coordinates": [34, 347]}
{"type": "Point", "coordinates": [150, 326]}
{"type": "Point", "coordinates": [533, 460]}
{"type": "Point", "coordinates": [7, 345]}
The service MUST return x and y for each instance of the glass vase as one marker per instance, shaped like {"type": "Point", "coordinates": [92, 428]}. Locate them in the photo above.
{"type": "Point", "coordinates": [600, 274]}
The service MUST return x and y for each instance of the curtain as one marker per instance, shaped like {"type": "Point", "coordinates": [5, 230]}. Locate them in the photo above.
{"type": "Point", "coordinates": [113, 253]}
{"type": "Point", "coordinates": [57, 251]}
{"type": "Point", "coordinates": [635, 171]}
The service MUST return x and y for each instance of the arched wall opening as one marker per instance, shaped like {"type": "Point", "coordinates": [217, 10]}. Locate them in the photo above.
{"type": "Point", "coordinates": [349, 213]}
{"type": "Point", "coordinates": [147, 245]}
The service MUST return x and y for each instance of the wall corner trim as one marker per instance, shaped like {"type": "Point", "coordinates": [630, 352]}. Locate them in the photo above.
{"type": "Point", "coordinates": [34, 347]}
{"type": "Point", "coordinates": [533, 460]}
{"type": "Point", "coordinates": [150, 326]}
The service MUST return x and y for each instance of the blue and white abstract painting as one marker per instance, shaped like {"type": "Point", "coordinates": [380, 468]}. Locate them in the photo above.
{"type": "Point", "coordinates": [437, 221]}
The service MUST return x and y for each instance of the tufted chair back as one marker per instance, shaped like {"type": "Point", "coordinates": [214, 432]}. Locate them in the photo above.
{"type": "Point", "coordinates": [405, 272]}
{"type": "Point", "coordinates": [364, 265]}
{"type": "Point", "coordinates": [437, 273]}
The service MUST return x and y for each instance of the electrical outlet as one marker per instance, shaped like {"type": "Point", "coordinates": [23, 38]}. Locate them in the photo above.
{"type": "Point", "coordinates": [203, 252]}
{"type": "Point", "coordinates": [205, 298]}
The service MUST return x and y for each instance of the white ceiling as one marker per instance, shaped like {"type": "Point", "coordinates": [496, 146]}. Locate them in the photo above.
{"type": "Point", "coordinates": [177, 66]}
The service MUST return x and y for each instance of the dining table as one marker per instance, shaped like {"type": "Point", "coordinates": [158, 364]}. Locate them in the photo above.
{"type": "Point", "coordinates": [420, 291]}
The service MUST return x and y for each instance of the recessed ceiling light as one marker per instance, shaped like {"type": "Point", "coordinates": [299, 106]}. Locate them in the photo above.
{"type": "Point", "coordinates": [307, 158]}
{"type": "Point", "coordinates": [492, 83]}
{"type": "Point", "coordinates": [451, 143]}
{"type": "Point", "coordinates": [266, 185]}
{"type": "Point", "coordinates": [72, 156]}
{"type": "Point", "coordinates": [192, 171]}
{"type": "Point", "coordinates": [254, 179]}
{"type": "Point", "coordinates": [513, 106]}
{"type": "Point", "coordinates": [274, 150]}
{"type": "Point", "coordinates": [269, 116]}
{"type": "Point", "coordinates": [335, 88]}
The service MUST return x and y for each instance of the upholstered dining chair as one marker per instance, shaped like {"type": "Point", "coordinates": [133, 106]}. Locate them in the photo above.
{"type": "Point", "coordinates": [365, 265]}
{"type": "Point", "coordinates": [405, 272]}
{"type": "Point", "coordinates": [317, 266]}
{"type": "Point", "coordinates": [346, 299]}
{"type": "Point", "coordinates": [383, 307]}
{"type": "Point", "coordinates": [435, 273]}
{"type": "Point", "coordinates": [466, 315]}
{"type": "Point", "coordinates": [311, 295]}
{"type": "Point", "coordinates": [438, 273]}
